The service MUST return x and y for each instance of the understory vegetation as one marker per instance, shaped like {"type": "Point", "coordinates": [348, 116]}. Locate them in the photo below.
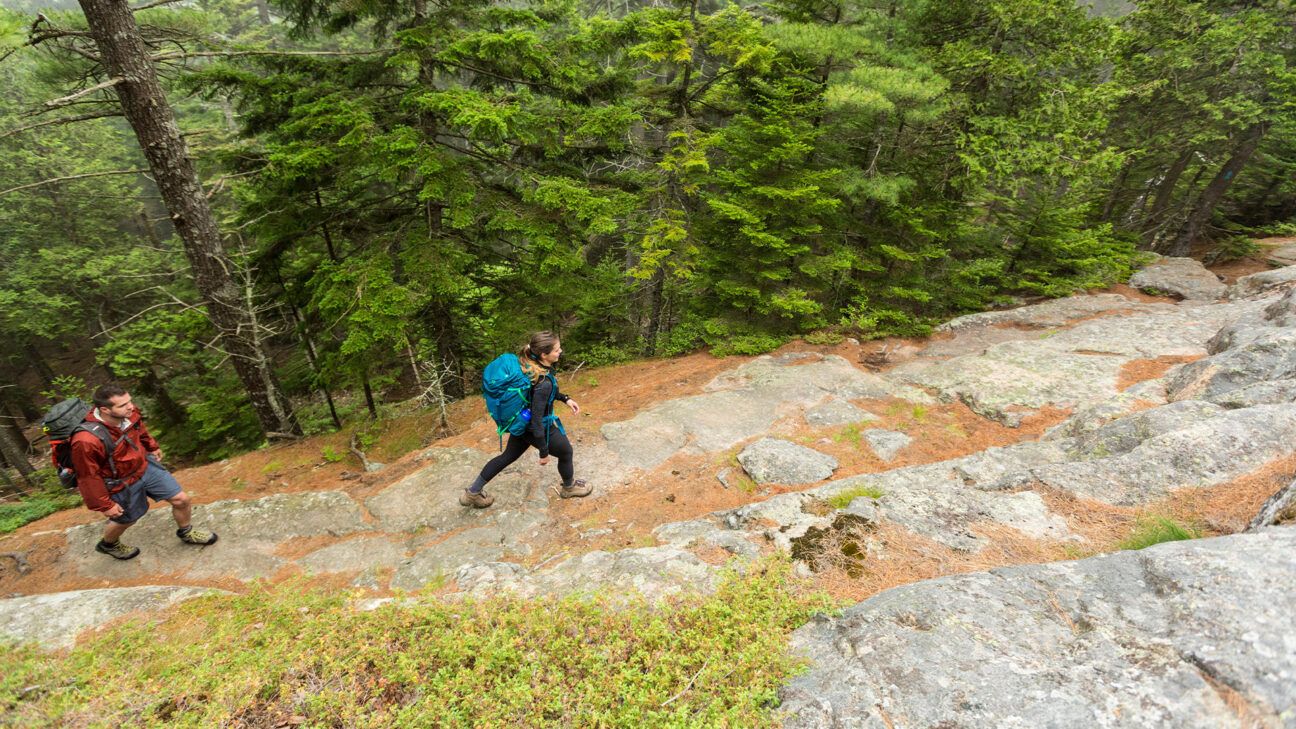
{"type": "Point", "coordinates": [282, 656]}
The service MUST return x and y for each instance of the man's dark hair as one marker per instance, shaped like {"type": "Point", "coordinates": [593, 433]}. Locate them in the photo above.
{"type": "Point", "coordinates": [104, 395]}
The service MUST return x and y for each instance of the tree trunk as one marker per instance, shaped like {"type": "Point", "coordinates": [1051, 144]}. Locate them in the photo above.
{"type": "Point", "coordinates": [656, 296]}
{"type": "Point", "coordinates": [37, 361]}
{"type": "Point", "coordinates": [263, 11]}
{"type": "Point", "coordinates": [1211, 196]}
{"type": "Point", "coordinates": [1165, 191]}
{"type": "Point", "coordinates": [145, 107]}
{"type": "Point", "coordinates": [16, 454]}
{"type": "Point", "coordinates": [18, 397]}
{"type": "Point", "coordinates": [7, 485]}
{"type": "Point", "coordinates": [369, 399]}
{"type": "Point", "coordinates": [1109, 209]}
{"type": "Point", "coordinates": [171, 410]}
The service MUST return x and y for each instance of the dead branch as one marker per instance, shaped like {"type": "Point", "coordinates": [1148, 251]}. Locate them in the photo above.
{"type": "Point", "coordinates": [56, 103]}
{"type": "Point", "coordinates": [232, 54]}
{"type": "Point", "coordinates": [53, 180]}
{"type": "Point", "coordinates": [61, 120]}
{"type": "Point", "coordinates": [155, 4]}
{"type": "Point", "coordinates": [355, 448]}
{"type": "Point", "coordinates": [688, 686]}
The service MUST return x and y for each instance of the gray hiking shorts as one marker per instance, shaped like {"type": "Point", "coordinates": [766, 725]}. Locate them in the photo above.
{"type": "Point", "coordinates": [157, 483]}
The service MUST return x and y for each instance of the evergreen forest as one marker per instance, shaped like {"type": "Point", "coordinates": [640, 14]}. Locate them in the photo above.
{"type": "Point", "coordinates": [268, 217]}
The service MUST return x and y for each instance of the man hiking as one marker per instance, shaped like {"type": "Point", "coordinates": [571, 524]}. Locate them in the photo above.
{"type": "Point", "coordinates": [119, 484]}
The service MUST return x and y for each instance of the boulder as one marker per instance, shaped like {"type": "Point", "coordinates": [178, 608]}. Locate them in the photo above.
{"type": "Point", "coordinates": [1205, 452]}
{"type": "Point", "coordinates": [1185, 634]}
{"type": "Point", "coordinates": [886, 443]}
{"type": "Point", "coordinates": [770, 460]}
{"type": "Point", "coordinates": [1265, 359]}
{"type": "Point", "coordinates": [1259, 283]}
{"type": "Point", "coordinates": [1185, 278]}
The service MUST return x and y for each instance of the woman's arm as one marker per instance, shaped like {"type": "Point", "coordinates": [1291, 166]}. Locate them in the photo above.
{"type": "Point", "coordinates": [539, 403]}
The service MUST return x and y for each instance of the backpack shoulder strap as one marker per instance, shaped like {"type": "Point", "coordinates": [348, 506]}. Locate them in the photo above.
{"type": "Point", "coordinates": [100, 431]}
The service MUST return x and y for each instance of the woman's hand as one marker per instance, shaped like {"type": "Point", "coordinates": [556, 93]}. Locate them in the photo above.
{"type": "Point", "coordinates": [575, 407]}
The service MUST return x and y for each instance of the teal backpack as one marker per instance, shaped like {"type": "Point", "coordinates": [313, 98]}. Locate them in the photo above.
{"type": "Point", "coordinates": [507, 390]}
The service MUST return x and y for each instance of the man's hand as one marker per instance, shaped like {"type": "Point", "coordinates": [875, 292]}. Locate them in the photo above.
{"type": "Point", "coordinates": [157, 454]}
{"type": "Point", "coordinates": [575, 408]}
{"type": "Point", "coordinates": [115, 511]}
{"type": "Point", "coordinates": [544, 460]}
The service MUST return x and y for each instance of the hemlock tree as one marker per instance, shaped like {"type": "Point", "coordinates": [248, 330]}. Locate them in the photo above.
{"type": "Point", "coordinates": [128, 63]}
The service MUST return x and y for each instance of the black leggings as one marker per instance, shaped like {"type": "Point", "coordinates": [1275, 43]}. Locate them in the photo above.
{"type": "Point", "coordinates": [517, 445]}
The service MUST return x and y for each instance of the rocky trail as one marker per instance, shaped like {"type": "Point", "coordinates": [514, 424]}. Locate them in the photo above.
{"type": "Point", "coordinates": [1031, 435]}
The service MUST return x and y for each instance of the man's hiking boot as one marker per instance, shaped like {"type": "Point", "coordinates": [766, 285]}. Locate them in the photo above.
{"type": "Point", "coordinates": [117, 550]}
{"type": "Point", "coordinates": [577, 489]}
{"type": "Point", "coordinates": [479, 500]}
{"type": "Point", "coordinates": [189, 535]}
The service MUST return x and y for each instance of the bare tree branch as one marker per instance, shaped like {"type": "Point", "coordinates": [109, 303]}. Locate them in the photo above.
{"type": "Point", "coordinates": [62, 120]}
{"type": "Point", "coordinates": [53, 180]}
{"type": "Point", "coordinates": [155, 4]}
{"type": "Point", "coordinates": [230, 54]}
{"type": "Point", "coordinates": [84, 92]}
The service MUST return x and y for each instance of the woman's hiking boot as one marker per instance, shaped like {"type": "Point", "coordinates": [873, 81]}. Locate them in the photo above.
{"type": "Point", "coordinates": [577, 489]}
{"type": "Point", "coordinates": [117, 550]}
{"type": "Point", "coordinates": [479, 500]}
{"type": "Point", "coordinates": [189, 535]}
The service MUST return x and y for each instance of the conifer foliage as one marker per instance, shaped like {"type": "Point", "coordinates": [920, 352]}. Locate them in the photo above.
{"type": "Point", "coordinates": [408, 187]}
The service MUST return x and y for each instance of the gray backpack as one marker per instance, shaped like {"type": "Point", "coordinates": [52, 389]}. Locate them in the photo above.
{"type": "Point", "coordinates": [65, 420]}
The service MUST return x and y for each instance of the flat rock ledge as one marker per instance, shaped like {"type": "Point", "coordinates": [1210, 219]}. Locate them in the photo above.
{"type": "Point", "coordinates": [54, 620]}
{"type": "Point", "coordinates": [1185, 634]}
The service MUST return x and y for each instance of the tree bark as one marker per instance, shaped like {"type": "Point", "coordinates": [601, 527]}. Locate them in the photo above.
{"type": "Point", "coordinates": [1165, 191]}
{"type": "Point", "coordinates": [37, 361]}
{"type": "Point", "coordinates": [15, 453]}
{"type": "Point", "coordinates": [7, 485]}
{"type": "Point", "coordinates": [145, 107]}
{"type": "Point", "coordinates": [1210, 197]}
{"type": "Point", "coordinates": [171, 410]}
{"type": "Point", "coordinates": [263, 12]}
{"type": "Point", "coordinates": [369, 398]}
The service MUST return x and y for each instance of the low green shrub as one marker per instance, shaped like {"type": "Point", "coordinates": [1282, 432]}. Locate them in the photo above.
{"type": "Point", "coordinates": [48, 497]}
{"type": "Point", "coordinates": [275, 653]}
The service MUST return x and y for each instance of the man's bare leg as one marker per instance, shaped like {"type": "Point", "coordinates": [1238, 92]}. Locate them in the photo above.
{"type": "Point", "coordinates": [181, 509]}
{"type": "Point", "coordinates": [113, 531]}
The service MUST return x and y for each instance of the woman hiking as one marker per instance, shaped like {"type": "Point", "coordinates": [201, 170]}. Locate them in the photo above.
{"type": "Point", "coordinates": [543, 431]}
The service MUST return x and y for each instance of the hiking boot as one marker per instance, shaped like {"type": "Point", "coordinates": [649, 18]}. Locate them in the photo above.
{"type": "Point", "coordinates": [479, 500]}
{"type": "Point", "coordinates": [189, 535]}
{"type": "Point", "coordinates": [577, 489]}
{"type": "Point", "coordinates": [117, 550]}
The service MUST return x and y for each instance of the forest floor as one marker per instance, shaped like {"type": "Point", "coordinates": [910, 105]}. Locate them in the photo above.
{"type": "Point", "coordinates": [684, 488]}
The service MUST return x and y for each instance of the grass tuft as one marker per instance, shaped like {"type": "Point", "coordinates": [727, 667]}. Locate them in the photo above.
{"type": "Point", "coordinates": [1155, 530]}
{"type": "Point", "coordinates": [844, 499]}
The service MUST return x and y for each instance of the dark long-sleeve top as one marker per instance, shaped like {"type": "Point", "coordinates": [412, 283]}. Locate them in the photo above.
{"type": "Point", "coordinates": [540, 409]}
